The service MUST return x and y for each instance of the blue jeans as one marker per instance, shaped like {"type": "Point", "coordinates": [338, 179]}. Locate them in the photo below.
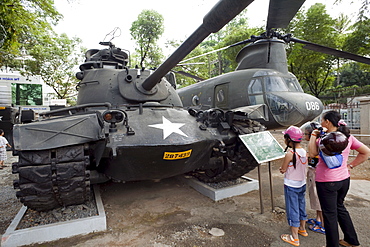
{"type": "Point", "coordinates": [295, 204]}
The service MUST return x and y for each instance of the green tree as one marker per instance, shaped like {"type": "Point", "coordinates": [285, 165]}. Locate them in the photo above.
{"type": "Point", "coordinates": [313, 69]}
{"type": "Point", "coordinates": [352, 74]}
{"type": "Point", "coordinates": [146, 31]}
{"type": "Point", "coordinates": [342, 27]}
{"type": "Point", "coordinates": [358, 41]}
{"type": "Point", "coordinates": [234, 36]}
{"type": "Point", "coordinates": [21, 22]}
{"type": "Point", "coordinates": [55, 60]}
{"type": "Point", "coordinates": [198, 67]}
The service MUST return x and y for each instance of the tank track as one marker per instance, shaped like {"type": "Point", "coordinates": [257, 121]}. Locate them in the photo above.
{"type": "Point", "coordinates": [54, 178]}
{"type": "Point", "coordinates": [243, 162]}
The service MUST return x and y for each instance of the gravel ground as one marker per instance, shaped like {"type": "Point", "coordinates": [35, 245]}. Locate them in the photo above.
{"type": "Point", "coordinates": [9, 204]}
{"type": "Point", "coordinates": [33, 218]}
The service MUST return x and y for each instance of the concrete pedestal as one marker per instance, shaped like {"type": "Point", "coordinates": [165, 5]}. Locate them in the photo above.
{"type": "Point", "coordinates": [51, 232]}
{"type": "Point", "coordinates": [222, 193]}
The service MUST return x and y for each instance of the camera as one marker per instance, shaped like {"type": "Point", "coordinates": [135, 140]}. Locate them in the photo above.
{"type": "Point", "coordinates": [313, 161]}
{"type": "Point", "coordinates": [316, 126]}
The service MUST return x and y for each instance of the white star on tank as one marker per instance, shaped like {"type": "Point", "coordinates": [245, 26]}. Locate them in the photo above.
{"type": "Point", "coordinates": [169, 128]}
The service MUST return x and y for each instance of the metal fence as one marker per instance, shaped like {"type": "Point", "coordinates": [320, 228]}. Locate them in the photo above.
{"type": "Point", "coordinates": [350, 113]}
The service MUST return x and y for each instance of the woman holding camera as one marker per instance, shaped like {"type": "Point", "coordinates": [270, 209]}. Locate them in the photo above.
{"type": "Point", "coordinates": [333, 183]}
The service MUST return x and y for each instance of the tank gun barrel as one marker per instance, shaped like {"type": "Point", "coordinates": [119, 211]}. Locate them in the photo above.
{"type": "Point", "coordinates": [223, 12]}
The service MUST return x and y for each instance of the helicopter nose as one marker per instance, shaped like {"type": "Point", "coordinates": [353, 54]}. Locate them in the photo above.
{"type": "Point", "coordinates": [310, 107]}
{"type": "Point", "coordinates": [293, 108]}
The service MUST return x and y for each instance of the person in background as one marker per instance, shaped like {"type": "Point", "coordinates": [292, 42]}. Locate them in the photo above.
{"type": "Point", "coordinates": [3, 144]}
{"type": "Point", "coordinates": [315, 224]}
{"type": "Point", "coordinates": [332, 184]}
{"type": "Point", "coordinates": [294, 170]}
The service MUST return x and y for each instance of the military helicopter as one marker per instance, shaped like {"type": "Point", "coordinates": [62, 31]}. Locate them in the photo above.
{"type": "Point", "coordinates": [262, 76]}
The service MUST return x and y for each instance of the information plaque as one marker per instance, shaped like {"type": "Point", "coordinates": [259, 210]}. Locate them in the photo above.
{"type": "Point", "coordinates": [263, 146]}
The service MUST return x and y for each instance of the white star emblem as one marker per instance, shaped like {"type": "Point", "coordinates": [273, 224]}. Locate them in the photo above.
{"type": "Point", "coordinates": [169, 128]}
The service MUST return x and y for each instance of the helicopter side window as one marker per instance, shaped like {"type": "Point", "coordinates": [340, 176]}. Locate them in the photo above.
{"type": "Point", "coordinates": [255, 91]}
{"type": "Point", "coordinates": [275, 84]}
{"type": "Point", "coordinates": [255, 86]}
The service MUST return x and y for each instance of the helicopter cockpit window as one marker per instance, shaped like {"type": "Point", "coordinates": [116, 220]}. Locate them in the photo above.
{"type": "Point", "coordinates": [275, 84]}
{"type": "Point", "coordinates": [264, 72]}
{"type": "Point", "coordinates": [255, 86]}
{"type": "Point", "coordinates": [293, 84]}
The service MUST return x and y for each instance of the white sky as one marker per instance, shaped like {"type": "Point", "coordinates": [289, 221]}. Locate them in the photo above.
{"type": "Point", "coordinates": [91, 20]}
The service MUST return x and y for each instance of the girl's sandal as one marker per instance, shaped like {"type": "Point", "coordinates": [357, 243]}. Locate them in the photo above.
{"type": "Point", "coordinates": [289, 239]}
{"type": "Point", "coordinates": [303, 233]}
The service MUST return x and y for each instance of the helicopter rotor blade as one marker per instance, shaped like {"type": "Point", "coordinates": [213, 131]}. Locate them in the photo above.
{"type": "Point", "coordinates": [205, 54]}
{"type": "Point", "coordinates": [186, 64]}
{"type": "Point", "coordinates": [188, 75]}
{"type": "Point", "coordinates": [331, 51]}
{"type": "Point", "coordinates": [252, 39]}
{"type": "Point", "coordinates": [223, 12]}
{"type": "Point", "coordinates": [281, 12]}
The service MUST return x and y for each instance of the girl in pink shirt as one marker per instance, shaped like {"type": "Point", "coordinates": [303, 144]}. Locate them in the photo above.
{"type": "Point", "coordinates": [294, 170]}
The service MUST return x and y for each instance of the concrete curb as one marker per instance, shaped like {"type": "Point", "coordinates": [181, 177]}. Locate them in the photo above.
{"type": "Point", "coordinates": [222, 193]}
{"type": "Point", "coordinates": [55, 231]}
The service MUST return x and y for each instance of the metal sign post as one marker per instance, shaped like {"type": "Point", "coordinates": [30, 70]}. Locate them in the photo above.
{"type": "Point", "coordinates": [264, 148]}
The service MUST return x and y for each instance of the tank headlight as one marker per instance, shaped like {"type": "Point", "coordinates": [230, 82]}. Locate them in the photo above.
{"type": "Point", "coordinates": [119, 116]}
{"type": "Point", "coordinates": [113, 116]}
{"type": "Point", "coordinates": [108, 117]}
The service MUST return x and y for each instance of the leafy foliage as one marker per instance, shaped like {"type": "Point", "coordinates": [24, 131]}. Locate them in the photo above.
{"type": "Point", "coordinates": [146, 30]}
{"type": "Point", "coordinates": [29, 44]}
{"type": "Point", "coordinates": [23, 21]}
{"type": "Point", "coordinates": [358, 41]}
{"type": "Point", "coordinates": [55, 60]}
{"type": "Point", "coordinates": [313, 69]}
{"type": "Point", "coordinates": [352, 74]}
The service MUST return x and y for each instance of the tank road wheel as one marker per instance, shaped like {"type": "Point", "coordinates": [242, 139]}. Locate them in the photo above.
{"type": "Point", "coordinates": [240, 163]}
{"type": "Point", "coordinates": [53, 178]}
{"type": "Point", "coordinates": [218, 165]}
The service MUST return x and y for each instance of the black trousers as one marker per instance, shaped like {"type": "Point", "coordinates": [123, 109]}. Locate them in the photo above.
{"type": "Point", "coordinates": [331, 196]}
